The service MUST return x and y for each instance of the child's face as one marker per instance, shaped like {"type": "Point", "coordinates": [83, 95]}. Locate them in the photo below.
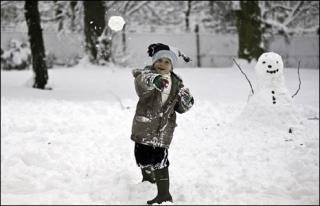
{"type": "Point", "coordinates": [163, 66]}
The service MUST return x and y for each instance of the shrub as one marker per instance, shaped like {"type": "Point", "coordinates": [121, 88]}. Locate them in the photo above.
{"type": "Point", "coordinates": [50, 59]}
{"type": "Point", "coordinates": [18, 56]}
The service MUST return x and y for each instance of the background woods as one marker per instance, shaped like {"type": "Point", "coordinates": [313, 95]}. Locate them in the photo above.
{"type": "Point", "coordinates": [210, 32]}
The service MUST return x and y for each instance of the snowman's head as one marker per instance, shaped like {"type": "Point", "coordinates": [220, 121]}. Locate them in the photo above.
{"type": "Point", "coordinates": [269, 64]}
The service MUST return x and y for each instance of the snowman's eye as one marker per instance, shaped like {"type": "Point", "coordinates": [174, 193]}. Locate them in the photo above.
{"type": "Point", "coordinates": [263, 62]}
{"type": "Point", "coordinates": [277, 62]}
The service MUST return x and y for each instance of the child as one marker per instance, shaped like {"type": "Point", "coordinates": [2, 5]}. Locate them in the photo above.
{"type": "Point", "coordinates": [161, 94]}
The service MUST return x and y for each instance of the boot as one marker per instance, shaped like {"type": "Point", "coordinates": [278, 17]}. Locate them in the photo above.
{"type": "Point", "coordinates": [162, 180]}
{"type": "Point", "coordinates": [148, 175]}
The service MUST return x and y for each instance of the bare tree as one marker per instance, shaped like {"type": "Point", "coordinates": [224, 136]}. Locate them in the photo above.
{"type": "Point", "coordinates": [36, 42]}
{"type": "Point", "coordinates": [187, 15]}
{"type": "Point", "coordinates": [126, 10]}
{"type": "Point", "coordinates": [58, 7]}
{"type": "Point", "coordinates": [159, 14]}
{"type": "Point", "coordinates": [65, 15]}
{"type": "Point", "coordinates": [12, 13]}
{"type": "Point", "coordinates": [194, 13]}
{"type": "Point", "coordinates": [219, 17]}
{"type": "Point", "coordinates": [73, 8]}
{"type": "Point", "coordinates": [288, 18]}
{"type": "Point", "coordinates": [98, 46]}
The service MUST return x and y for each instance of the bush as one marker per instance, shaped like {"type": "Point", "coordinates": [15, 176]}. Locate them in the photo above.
{"type": "Point", "coordinates": [18, 56]}
{"type": "Point", "coordinates": [50, 59]}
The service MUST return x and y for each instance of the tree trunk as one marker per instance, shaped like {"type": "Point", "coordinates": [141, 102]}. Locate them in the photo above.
{"type": "Point", "coordinates": [98, 45]}
{"type": "Point", "coordinates": [124, 44]}
{"type": "Point", "coordinates": [73, 5]}
{"type": "Point", "coordinates": [36, 42]}
{"type": "Point", "coordinates": [249, 30]}
{"type": "Point", "coordinates": [58, 12]}
{"type": "Point", "coordinates": [188, 16]}
{"type": "Point", "coordinates": [198, 45]}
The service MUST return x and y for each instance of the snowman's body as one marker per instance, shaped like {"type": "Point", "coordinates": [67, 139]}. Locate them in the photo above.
{"type": "Point", "coordinates": [271, 104]}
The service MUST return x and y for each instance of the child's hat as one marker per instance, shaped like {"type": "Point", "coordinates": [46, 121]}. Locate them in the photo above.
{"type": "Point", "coordinates": [159, 50]}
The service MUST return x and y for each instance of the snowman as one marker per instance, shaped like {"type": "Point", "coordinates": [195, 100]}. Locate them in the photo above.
{"type": "Point", "coordinates": [271, 105]}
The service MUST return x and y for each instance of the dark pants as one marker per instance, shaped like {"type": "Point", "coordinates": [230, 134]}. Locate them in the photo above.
{"type": "Point", "coordinates": [149, 156]}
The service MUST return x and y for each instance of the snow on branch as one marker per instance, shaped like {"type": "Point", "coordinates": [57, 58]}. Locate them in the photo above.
{"type": "Point", "coordinates": [294, 13]}
{"type": "Point", "coordinates": [5, 3]}
{"type": "Point", "coordinates": [110, 4]}
{"type": "Point", "coordinates": [280, 7]}
{"type": "Point", "coordinates": [284, 18]}
{"type": "Point", "coordinates": [287, 30]}
{"type": "Point", "coordinates": [161, 17]}
{"type": "Point", "coordinates": [136, 7]}
{"type": "Point", "coordinates": [52, 19]}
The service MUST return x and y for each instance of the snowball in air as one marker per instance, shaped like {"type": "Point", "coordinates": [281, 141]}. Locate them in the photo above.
{"type": "Point", "coordinates": [116, 23]}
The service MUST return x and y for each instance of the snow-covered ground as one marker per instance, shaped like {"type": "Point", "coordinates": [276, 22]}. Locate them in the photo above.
{"type": "Point", "coordinates": [71, 144]}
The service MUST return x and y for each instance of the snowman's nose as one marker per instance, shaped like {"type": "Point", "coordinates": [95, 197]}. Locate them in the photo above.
{"type": "Point", "coordinates": [269, 66]}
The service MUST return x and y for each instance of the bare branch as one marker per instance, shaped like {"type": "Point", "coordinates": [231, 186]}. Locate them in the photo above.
{"type": "Point", "coordinates": [303, 30]}
{"type": "Point", "coordinates": [265, 11]}
{"type": "Point", "coordinates": [299, 80]}
{"type": "Point", "coordinates": [135, 7]}
{"type": "Point", "coordinates": [5, 3]}
{"type": "Point", "coordinates": [280, 7]}
{"type": "Point", "coordinates": [244, 75]}
{"type": "Point", "coordinates": [125, 6]}
{"type": "Point", "coordinates": [160, 18]}
{"type": "Point", "coordinates": [55, 18]}
{"type": "Point", "coordinates": [293, 14]}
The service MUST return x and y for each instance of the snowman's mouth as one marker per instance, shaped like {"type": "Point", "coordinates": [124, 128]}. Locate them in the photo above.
{"type": "Point", "coordinates": [272, 71]}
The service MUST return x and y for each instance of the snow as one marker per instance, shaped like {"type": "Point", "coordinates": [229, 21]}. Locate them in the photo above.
{"type": "Point", "coordinates": [71, 144]}
{"type": "Point", "coordinates": [116, 23]}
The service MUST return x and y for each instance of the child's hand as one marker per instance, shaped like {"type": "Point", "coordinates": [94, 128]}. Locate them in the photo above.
{"type": "Point", "coordinates": [160, 83]}
{"type": "Point", "coordinates": [185, 95]}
